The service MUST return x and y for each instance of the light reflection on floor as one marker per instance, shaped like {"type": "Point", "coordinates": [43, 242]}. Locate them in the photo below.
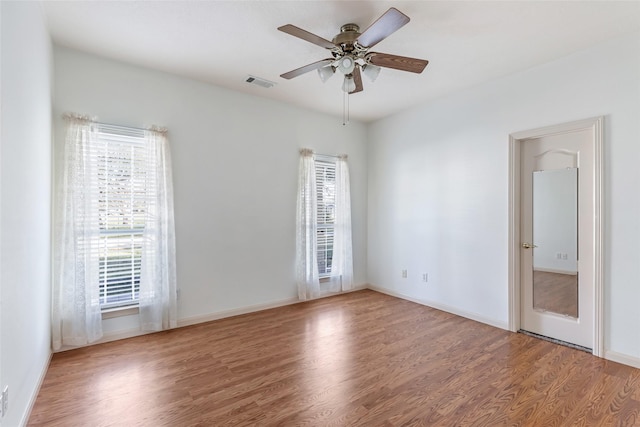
{"type": "Point", "coordinates": [327, 358]}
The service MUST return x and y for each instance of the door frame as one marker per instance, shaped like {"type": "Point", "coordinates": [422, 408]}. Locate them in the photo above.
{"type": "Point", "coordinates": [595, 125]}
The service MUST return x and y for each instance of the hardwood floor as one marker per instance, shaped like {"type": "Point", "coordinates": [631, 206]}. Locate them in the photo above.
{"type": "Point", "coordinates": [359, 359]}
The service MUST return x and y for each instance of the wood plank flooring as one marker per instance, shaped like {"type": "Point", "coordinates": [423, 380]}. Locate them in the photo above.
{"type": "Point", "coordinates": [358, 359]}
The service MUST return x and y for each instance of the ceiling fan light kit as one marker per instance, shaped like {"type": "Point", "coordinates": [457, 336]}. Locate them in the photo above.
{"type": "Point", "coordinates": [350, 50]}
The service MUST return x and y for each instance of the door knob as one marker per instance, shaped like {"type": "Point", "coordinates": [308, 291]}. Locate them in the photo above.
{"type": "Point", "coordinates": [528, 245]}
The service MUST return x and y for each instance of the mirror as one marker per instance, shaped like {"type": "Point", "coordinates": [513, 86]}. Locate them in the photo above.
{"type": "Point", "coordinates": [555, 234]}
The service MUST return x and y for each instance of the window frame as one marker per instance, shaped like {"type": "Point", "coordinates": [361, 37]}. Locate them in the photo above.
{"type": "Point", "coordinates": [128, 139]}
{"type": "Point", "coordinates": [328, 163]}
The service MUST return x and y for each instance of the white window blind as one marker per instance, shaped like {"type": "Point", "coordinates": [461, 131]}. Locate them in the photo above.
{"type": "Point", "coordinates": [326, 204]}
{"type": "Point", "coordinates": [125, 184]}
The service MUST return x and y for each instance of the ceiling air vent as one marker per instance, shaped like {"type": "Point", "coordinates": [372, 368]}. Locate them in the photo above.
{"type": "Point", "coordinates": [259, 81]}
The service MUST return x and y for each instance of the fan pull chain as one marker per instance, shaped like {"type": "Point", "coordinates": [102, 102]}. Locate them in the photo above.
{"type": "Point", "coordinates": [345, 109]}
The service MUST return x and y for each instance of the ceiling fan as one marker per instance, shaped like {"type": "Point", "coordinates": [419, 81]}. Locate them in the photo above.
{"type": "Point", "coordinates": [350, 52]}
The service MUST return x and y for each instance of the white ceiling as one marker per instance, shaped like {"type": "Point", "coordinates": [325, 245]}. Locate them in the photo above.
{"type": "Point", "coordinates": [221, 42]}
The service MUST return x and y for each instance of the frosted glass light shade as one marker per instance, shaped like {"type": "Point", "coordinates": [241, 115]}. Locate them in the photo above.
{"type": "Point", "coordinates": [346, 64]}
{"type": "Point", "coordinates": [348, 85]}
{"type": "Point", "coordinates": [371, 71]}
{"type": "Point", "coordinates": [325, 73]}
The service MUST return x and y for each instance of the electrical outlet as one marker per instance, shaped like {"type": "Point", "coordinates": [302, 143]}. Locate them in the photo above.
{"type": "Point", "coordinates": [564, 256]}
{"type": "Point", "coordinates": [404, 274]}
{"type": "Point", "coordinates": [425, 277]}
{"type": "Point", "coordinates": [5, 400]}
{"type": "Point", "coordinates": [558, 255]}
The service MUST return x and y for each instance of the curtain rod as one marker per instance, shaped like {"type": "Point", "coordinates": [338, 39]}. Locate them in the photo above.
{"type": "Point", "coordinates": [331, 156]}
{"type": "Point", "coordinates": [94, 120]}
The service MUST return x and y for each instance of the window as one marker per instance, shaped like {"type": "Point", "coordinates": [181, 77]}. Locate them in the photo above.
{"type": "Point", "coordinates": [323, 225]}
{"type": "Point", "coordinates": [114, 239]}
{"type": "Point", "coordinates": [124, 186]}
{"type": "Point", "coordinates": [326, 218]}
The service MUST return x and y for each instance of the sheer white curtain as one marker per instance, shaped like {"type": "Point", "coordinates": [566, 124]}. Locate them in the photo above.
{"type": "Point", "coordinates": [76, 310]}
{"type": "Point", "coordinates": [306, 229]}
{"type": "Point", "coordinates": [76, 315]}
{"type": "Point", "coordinates": [158, 291]}
{"type": "Point", "coordinates": [342, 248]}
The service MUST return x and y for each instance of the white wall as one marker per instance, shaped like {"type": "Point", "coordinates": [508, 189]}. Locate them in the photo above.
{"type": "Point", "coordinates": [235, 160]}
{"type": "Point", "coordinates": [438, 186]}
{"type": "Point", "coordinates": [25, 204]}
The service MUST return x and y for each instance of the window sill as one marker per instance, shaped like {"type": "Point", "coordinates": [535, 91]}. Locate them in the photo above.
{"type": "Point", "coordinates": [326, 279]}
{"type": "Point", "coordinates": [120, 312]}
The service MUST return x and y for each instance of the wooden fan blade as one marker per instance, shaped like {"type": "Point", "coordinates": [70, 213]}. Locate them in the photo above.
{"type": "Point", "coordinates": [310, 67]}
{"type": "Point", "coordinates": [390, 22]}
{"type": "Point", "coordinates": [306, 35]}
{"type": "Point", "coordinates": [357, 79]}
{"type": "Point", "coordinates": [401, 63]}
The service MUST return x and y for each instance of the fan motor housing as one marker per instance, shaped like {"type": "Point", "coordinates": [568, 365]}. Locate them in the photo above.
{"type": "Point", "coordinates": [349, 33]}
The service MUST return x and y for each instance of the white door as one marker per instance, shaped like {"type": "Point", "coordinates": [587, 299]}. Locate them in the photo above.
{"type": "Point", "coordinates": [557, 236]}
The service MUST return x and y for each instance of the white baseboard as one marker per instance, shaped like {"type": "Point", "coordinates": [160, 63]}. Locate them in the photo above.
{"type": "Point", "coordinates": [193, 320]}
{"type": "Point", "coordinates": [120, 335]}
{"type": "Point", "coordinates": [108, 337]}
{"type": "Point", "coordinates": [36, 391]}
{"type": "Point", "coordinates": [130, 333]}
{"type": "Point", "coordinates": [444, 307]}
{"type": "Point", "coordinates": [253, 308]}
{"type": "Point", "coordinates": [608, 354]}
{"type": "Point", "coordinates": [622, 358]}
